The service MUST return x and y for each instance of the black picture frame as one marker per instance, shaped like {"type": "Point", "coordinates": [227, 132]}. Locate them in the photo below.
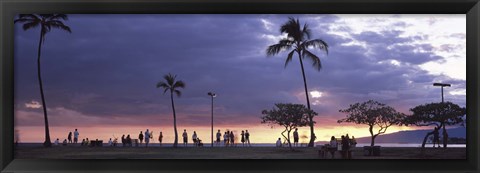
{"type": "Point", "coordinates": [9, 8]}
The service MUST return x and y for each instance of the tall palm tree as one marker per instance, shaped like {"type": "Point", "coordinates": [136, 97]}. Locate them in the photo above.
{"type": "Point", "coordinates": [172, 85]}
{"type": "Point", "coordinates": [46, 23]}
{"type": "Point", "coordinates": [298, 39]}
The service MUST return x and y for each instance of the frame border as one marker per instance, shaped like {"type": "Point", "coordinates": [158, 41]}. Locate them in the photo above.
{"type": "Point", "coordinates": [9, 8]}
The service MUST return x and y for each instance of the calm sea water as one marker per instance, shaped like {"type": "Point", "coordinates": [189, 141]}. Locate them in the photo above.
{"type": "Point", "coordinates": [267, 145]}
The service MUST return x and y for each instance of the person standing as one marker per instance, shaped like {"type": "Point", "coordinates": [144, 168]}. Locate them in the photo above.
{"type": "Point", "coordinates": [232, 139]}
{"type": "Point", "coordinates": [243, 138]}
{"type": "Point", "coordinates": [129, 140]}
{"type": "Point", "coordinates": [185, 137]}
{"type": "Point", "coordinates": [247, 138]}
{"type": "Point", "coordinates": [436, 137]}
{"type": "Point", "coordinates": [147, 138]}
{"type": "Point", "coordinates": [75, 136]}
{"type": "Point", "coordinates": [140, 137]}
{"type": "Point", "coordinates": [225, 139]}
{"type": "Point", "coordinates": [194, 139]}
{"type": "Point", "coordinates": [160, 138]}
{"type": "Point", "coordinates": [295, 137]}
{"type": "Point", "coordinates": [69, 137]}
{"type": "Point", "coordinates": [123, 140]}
{"type": "Point", "coordinates": [219, 135]}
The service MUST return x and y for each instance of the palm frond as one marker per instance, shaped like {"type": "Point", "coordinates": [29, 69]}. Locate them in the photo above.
{"type": "Point", "coordinates": [179, 84]}
{"type": "Point", "coordinates": [58, 16]}
{"type": "Point", "coordinates": [289, 58]}
{"type": "Point", "coordinates": [277, 48]}
{"type": "Point", "coordinates": [170, 79]}
{"type": "Point", "coordinates": [30, 25]}
{"type": "Point", "coordinates": [59, 25]}
{"type": "Point", "coordinates": [292, 29]}
{"type": "Point", "coordinates": [317, 43]}
{"type": "Point", "coordinates": [306, 32]}
{"type": "Point", "coordinates": [315, 59]}
{"type": "Point", "coordinates": [162, 85]}
{"type": "Point", "coordinates": [178, 93]}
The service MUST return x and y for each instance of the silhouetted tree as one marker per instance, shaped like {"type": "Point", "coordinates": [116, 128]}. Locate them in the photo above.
{"type": "Point", "coordinates": [436, 114]}
{"type": "Point", "coordinates": [289, 115]}
{"type": "Point", "coordinates": [172, 85]}
{"type": "Point", "coordinates": [373, 114]}
{"type": "Point", "coordinates": [46, 22]}
{"type": "Point", "coordinates": [298, 39]}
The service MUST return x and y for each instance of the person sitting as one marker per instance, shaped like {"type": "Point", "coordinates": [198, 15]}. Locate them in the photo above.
{"type": "Point", "coordinates": [129, 140]}
{"type": "Point", "coordinates": [65, 142]}
{"type": "Point", "coordinates": [279, 143]}
{"type": "Point", "coordinates": [333, 146]}
{"type": "Point", "coordinates": [83, 142]}
{"type": "Point", "coordinates": [56, 142]}
{"type": "Point", "coordinates": [110, 143]}
{"type": "Point", "coordinates": [199, 142]}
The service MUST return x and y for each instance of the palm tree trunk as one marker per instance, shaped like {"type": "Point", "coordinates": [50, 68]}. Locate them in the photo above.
{"type": "Point", "coordinates": [175, 143]}
{"type": "Point", "coordinates": [47, 142]}
{"type": "Point", "coordinates": [310, 118]}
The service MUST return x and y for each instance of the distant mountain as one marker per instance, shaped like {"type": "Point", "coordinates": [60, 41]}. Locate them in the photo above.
{"type": "Point", "coordinates": [410, 136]}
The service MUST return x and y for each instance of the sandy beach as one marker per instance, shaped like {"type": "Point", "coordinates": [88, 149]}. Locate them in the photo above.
{"type": "Point", "coordinates": [81, 152]}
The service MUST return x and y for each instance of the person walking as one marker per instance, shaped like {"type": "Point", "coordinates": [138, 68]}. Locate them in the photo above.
{"type": "Point", "coordinates": [140, 137]}
{"type": "Point", "coordinates": [160, 138]}
{"type": "Point", "coordinates": [69, 137]}
{"type": "Point", "coordinates": [295, 138]}
{"type": "Point", "coordinates": [75, 136]}
{"type": "Point", "coordinates": [147, 138]}
{"type": "Point", "coordinates": [219, 135]}
{"type": "Point", "coordinates": [185, 137]}
{"type": "Point", "coordinates": [247, 138]}
{"type": "Point", "coordinates": [243, 138]}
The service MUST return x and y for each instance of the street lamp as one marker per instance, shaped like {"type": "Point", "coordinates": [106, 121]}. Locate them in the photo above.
{"type": "Point", "coordinates": [211, 94]}
{"type": "Point", "coordinates": [442, 85]}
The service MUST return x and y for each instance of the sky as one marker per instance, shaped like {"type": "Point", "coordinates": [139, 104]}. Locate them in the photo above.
{"type": "Point", "coordinates": [101, 78]}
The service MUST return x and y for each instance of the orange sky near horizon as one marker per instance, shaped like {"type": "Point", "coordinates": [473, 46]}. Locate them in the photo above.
{"type": "Point", "coordinates": [258, 133]}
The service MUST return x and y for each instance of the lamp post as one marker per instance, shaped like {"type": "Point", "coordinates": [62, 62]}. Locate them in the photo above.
{"type": "Point", "coordinates": [445, 136]}
{"type": "Point", "coordinates": [212, 95]}
{"type": "Point", "coordinates": [442, 85]}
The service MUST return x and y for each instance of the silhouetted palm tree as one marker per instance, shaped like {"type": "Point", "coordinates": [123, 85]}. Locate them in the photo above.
{"type": "Point", "coordinates": [46, 23]}
{"type": "Point", "coordinates": [298, 38]}
{"type": "Point", "coordinates": [172, 85]}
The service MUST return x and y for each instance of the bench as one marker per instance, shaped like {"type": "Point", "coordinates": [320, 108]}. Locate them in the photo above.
{"type": "Point", "coordinates": [95, 143]}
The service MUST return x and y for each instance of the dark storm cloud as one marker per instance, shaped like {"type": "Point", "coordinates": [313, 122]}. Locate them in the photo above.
{"type": "Point", "coordinates": [110, 64]}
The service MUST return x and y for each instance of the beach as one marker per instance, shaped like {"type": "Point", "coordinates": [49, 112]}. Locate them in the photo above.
{"type": "Point", "coordinates": [105, 152]}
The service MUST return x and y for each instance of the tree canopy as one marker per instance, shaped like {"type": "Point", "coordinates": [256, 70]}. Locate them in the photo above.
{"type": "Point", "coordinates": [373, 114]}
{"type": "Point", "coordinates": [288, 115]}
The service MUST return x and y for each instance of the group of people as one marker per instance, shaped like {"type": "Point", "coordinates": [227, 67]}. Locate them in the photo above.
{"type": "Point", "coordinates": [295, 139]}
{"type": "Point", "coordinates": [346, 144]}
{"type": "Point", "coordinates": [69, 138]}
{"type": "Point", "coordinates": [228, 138]}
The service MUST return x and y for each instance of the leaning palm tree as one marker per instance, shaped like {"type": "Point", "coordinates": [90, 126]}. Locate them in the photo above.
{"type": "Point", "coordinates": [46, 23]}
{"type": "Point", "coordinates": [172, 85]}
{"type": "Point", "coordinates": [298, 39]}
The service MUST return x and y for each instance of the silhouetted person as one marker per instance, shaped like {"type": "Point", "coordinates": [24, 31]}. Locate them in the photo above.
{"type": "Point", "coordinates": [83, 142]}
{"type": "Point", "coordinates": [232, 139]}
{"type": "Point", "coordinates": [69, 137]}
{"type": "Point", "coordinates": [160, 138]}
{"type": "Point", "coordinates": [124, 141]}
{"type": "Point", "coordinates": [110, 142]}
{"type": "Point", "coordinates": [247, 137]}
{"type": "Point", "coordinates": [353, 142]}
{"type": "Point", "coordinates": [295, 137]}
{"type": "Point", "coordinates": [225, 139]}
{"type": "Point", "coordinates": [345, 148]}
{"type": "Point", "coordinates": [185, 137]}
{"type": "Point", "coordinates": [333, 146]}
{"type": "Point", "coordinates": [140, 137]}
{"type": "Point", "coordinates": [279, 143]}
{"type": "Point", "coordinates": [194, 139]}
{"type": "Point", "coordinates": [436, 137]}
{"type": "Point", "coordinates": [56, 142]}
{"type": "Point", "coordinates": [243, 138]}
{"type": "Point", "coordinates": [219, 135]}
{"type": "Point", "coordinates": [129, 140]}
{"type": "Point", "coordinates": [65, 142]}
{"type": "Point", "coordinates": [147, 138]}
{"type": "Point", "coordinates": [75, 136]}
